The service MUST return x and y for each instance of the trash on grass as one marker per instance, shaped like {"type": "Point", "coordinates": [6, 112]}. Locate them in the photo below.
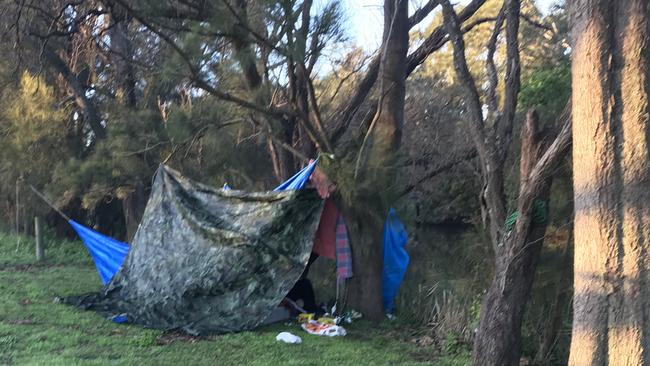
{"type": "Point", "coordinates": [287, 337]}
{"type": "Point", "coordinates": [329, 330]}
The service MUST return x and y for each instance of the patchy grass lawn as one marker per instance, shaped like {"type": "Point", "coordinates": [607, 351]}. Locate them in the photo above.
{"type": "Point", "coordinates": [36, 331]}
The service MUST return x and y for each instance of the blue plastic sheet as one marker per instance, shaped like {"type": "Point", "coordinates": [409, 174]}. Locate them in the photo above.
{"type": "Point", "coordinates": [299, 180]}
{"type": "Point", "coordinates": [107, 253]}
{"type": "Point", "coordinates": [396, 259]}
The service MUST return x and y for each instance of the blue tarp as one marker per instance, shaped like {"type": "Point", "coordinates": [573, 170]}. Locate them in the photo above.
{"type": "Point", "coordinates": [107, 253]}
{"type": "Point", "coordinates": [299, 180]}
{"type": "Point", "coordinates": [396, 259]}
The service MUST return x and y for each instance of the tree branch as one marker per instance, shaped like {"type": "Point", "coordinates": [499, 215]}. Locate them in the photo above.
{"type": "Point", "coordinates": [493, 80]}
{"type": "Point", "coordinates": [436, 39]}
{"type": "Point", "coordinates": [422, 13]}
{"type": "Point", "coordinates": [535, 178]}
{"type": "Point", "coordinates": [434, 42]}
{"type": "Point", "coordinates": [90, 112]}
{"type": "Point", "coordinates": [467, 80]}
{"type": "Point", "coordinates": [512, 78]}
{"type": "Point", "coordinates": [468, 155]}
{"type": "Point", "coordinates": [555, 151]}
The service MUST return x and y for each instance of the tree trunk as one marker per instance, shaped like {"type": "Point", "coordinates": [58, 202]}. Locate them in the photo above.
{"type": "Point", "coordinates": [611, 175]}
{"type": "Point", "coordinates": [38, 235]}
{"type": "Point", "coordinates": [365, 290]}
{"type": "Point", "coordinates": [498, 338]}
{"type": "Point", "coordinates": [122, 57]}
{"type": "Point", "coordinates": [373, 189]}
{"type": "Point", "coordinates": [133, 206]}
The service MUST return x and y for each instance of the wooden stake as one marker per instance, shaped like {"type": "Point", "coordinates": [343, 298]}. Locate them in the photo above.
{"type": "Point", "coordinates": [17, 206]}
{"type": "Point", "coordinates": [38, 233]}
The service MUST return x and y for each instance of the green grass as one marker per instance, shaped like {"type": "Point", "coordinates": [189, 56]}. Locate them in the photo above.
{"type": "Point", "coordinates": [34, 330]}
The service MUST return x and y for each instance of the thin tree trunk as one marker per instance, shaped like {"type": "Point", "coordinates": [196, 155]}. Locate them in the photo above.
{"type": "Point", "coordinates": [504, 305]}
{"type": "Point", "coordinates": [611, 167]}
{"type": "Point", "coordinates": [498, 340]}
{"type": "Point", "coordinates": [122, 56]}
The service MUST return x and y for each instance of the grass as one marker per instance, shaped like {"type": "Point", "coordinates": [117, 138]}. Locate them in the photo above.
{"type": "Point", "coordinates": [34, 330]}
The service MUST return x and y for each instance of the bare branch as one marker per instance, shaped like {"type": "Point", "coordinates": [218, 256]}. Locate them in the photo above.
{"type": "Point", "coordinates": [267, 130]}
{"type": "Point", "coordinates": [535, 23]}
{"type": "Point", "coordinates": [434, 42]}
{"type": "Point", "coordinates": [422, 13]}
{"type": "Point", "coordinates": [436, 39]}
{"type": "Point", "coordinates": [91, 114]}
{"type": "Point", "coordinates": [465, 77]}
{"type": "Point", "coordinates": [493, 79]}
{"type": "Point", "coordinates": [468, 155]}
{"type": "Point", "coordinates": [512, 78]}
{"type": "Point", "coordinates": [556, 150]}
{"type": "Point", "coordinates": [344, 79]}
{"type": "Point", "coordinates": [318, 121]}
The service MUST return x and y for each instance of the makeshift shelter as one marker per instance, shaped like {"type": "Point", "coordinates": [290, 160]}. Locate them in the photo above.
{"type": "Point", "coordinates": [208, 260]}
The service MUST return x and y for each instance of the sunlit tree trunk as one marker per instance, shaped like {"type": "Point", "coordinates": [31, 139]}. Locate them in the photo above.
{"type": "Point", "coordinates": [611, 164]}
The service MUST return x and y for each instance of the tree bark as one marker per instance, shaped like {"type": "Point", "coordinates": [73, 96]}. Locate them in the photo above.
{"type": "Point", "coordinates": [365, 287]}
{"type": "Point", "coordinates": [611, 174]}
{"type": "Point", "coordinates": [90, 112]}
{"type": "Point", "coordinates": [498, 339]}
{"type": "Point", "coordinates": [122, 56]}
{"type": "Point", "coordinates": [373, 196]}
{"type": "Point", "coordinates": [133, 206]}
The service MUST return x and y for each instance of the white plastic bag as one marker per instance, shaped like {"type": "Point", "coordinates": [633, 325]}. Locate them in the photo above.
{"type": "Point", "coordinates": [287, 337]}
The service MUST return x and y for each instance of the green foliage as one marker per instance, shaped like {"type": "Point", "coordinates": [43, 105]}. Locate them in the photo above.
{"type": "Point", "coordinates": [454, 345]}
{"type": "Point", "coordinates": [547, 89]}
{"type": "Point", "coordinates": [33, 119]}
{"type": "Point", "coordinates": [33, 134]}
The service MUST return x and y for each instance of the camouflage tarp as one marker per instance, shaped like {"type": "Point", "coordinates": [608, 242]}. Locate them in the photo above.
{"type": "Point", "coordinates": [208, 260]}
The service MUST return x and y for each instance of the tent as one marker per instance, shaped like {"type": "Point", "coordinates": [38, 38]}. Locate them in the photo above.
{"type": "Point", "coordinates": [205, 260]}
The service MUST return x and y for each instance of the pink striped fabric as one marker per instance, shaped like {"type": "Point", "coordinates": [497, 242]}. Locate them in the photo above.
{"type": "Point", "coordinates": [343, 251]}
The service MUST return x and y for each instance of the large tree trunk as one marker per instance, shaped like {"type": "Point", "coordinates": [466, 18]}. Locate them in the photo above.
{"type": "Point", "coordinates": [365, 229]}
{"type": "Point", "coordinates": [372, 198]}
{"type": "Point", "coordinates": [611, 173]}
